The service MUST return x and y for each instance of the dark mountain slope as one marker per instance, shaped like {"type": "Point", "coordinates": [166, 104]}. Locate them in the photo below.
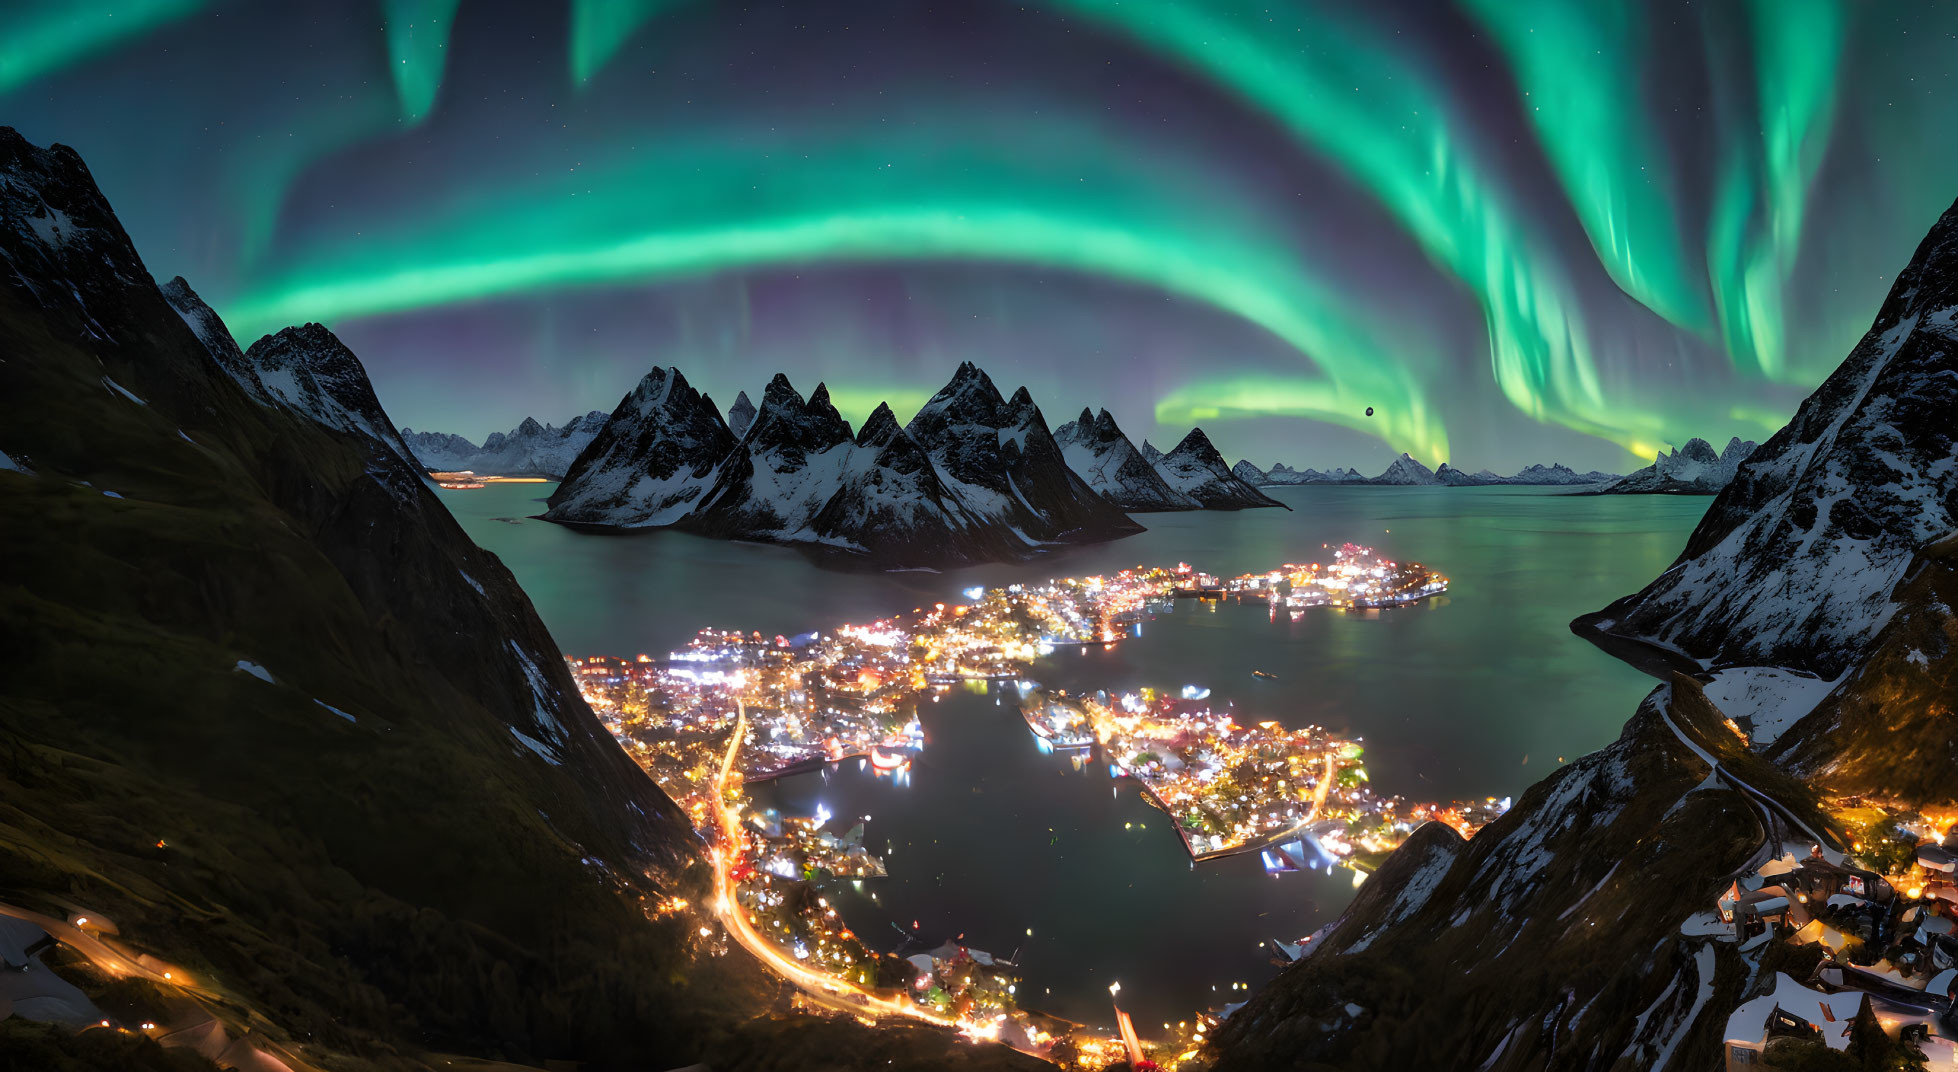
{"type": "Point", "coordinates": [414, 836]}
{"type": "Point", "coordinates": [1549, 940]}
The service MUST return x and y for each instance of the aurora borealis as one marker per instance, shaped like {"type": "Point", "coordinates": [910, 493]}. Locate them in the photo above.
{"type": "Point", "coordinates": [1520, 230]}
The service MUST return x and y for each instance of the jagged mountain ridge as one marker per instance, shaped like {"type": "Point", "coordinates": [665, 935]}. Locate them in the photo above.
{"type": "Point", "coordinates": [1399, 474]}
{"type": "Point", "coordinates": [341, 773]}
{"type": "Point", "coordinates": [996, 486]}
{"type": "Point", "coordinates": [781, 472]}
{"type": "Point", "coordinates": [529, 449]}
{"type": "Point", "coordinates": [1796, 559]}
{"type": "Point", "coordinates": [1281, 475]}
{"type": "Point", "coordinates": [1096, 449]}
{"type": "Point", "coordinates": [1549, 940]}
{"type": "Point", "coordinates": [1000, 457]}
{"type": "Point", "coordinates": [892, 504]}
{"type": "Point", "coordinates": [1537, 475]}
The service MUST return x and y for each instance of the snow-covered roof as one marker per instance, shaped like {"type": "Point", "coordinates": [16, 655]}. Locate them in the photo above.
{"type": "Point", "coordinates": [1831, 1013]}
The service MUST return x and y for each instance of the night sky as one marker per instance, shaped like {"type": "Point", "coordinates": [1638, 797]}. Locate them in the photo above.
{"type": "Point", "coordinates": [1520, 230]}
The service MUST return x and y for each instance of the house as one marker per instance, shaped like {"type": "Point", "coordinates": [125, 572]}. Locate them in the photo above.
{"type": "Point", "coordinates": [1791, 1009]}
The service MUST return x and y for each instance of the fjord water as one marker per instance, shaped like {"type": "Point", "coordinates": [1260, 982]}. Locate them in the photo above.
{"type": "Point", "coordinates": [1477, 694]}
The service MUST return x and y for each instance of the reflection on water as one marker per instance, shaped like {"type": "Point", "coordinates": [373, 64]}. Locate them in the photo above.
{"type": "Point", "coordinates": [1477, 694]}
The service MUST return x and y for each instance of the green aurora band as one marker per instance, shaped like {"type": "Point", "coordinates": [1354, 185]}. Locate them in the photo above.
{"type": "Point", "coordinates": [744, 201]}
{"type": "Point", "coordinates": [1573, 62]}
{"type": "Point", "coordinates": [599, 28]}
{"type": "Point", "coordinates": [1356, 102]}
{"type": "Point", "coordinates": [418, 44]}
{"type": "Point", "coordinates": [1755, 231]}
{"type": "Point", "coordinates": [40, 37]}
{"type": "Point", "coordinates": [1342, 90]}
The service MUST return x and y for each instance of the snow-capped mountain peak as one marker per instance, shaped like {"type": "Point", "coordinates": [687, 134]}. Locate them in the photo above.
{"type": "Point", "coordinates": [1197, 470]}
{"type": "Point", "coordinates": [310, 371]}
{"type": "Point", "coordinates": [652, 460]}
{"type": "Point", "coordinates": [1095, 448]}
{"type": "Point", "coordinates": [1407, 472]}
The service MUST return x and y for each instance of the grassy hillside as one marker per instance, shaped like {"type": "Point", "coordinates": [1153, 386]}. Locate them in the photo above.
{"type": "Point", "coordinates": [359, 860]}
{"type": "Point", "coordinates": [1886, 732]}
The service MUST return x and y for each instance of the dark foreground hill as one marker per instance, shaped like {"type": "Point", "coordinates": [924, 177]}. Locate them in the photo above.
{"type": "Point", "coordinates": [265, 707]}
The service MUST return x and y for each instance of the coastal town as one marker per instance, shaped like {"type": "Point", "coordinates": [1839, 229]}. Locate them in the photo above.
{"type": "Point", "coordinates": [1862, 945]}
{"type": "Point", "coordinates": [733, 708]}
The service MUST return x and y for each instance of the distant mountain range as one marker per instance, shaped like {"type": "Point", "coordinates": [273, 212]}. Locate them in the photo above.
{"type": "Point", "coordinates": [1693, 469]}
{"type": "Point", "coordinates": [1406, 472]}
{"type": "Point", "coordinates": [529, 449]}
{"type": "Point", "coordinates": [974, 477]}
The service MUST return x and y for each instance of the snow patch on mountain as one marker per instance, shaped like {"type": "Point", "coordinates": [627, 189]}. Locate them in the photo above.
{"type": "Point", "coordinates": [1766, 700]}
{"type": "Point", "coordinates": [1438, 859]}
{"type": "Point", "coordinates": [121, 390]}
{"type": "Point", "coordinates": [543, 752]}
{"type": "Point", "coordinates": [204, 323]}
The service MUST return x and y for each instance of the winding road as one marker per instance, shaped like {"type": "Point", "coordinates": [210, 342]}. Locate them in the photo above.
{"type": "Point", "coordinates": [826, 990]}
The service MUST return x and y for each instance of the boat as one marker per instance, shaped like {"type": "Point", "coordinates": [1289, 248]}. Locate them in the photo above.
{"type": "Point", "coordinates": [888, 761]}
{"type": "Point", "coordinates": [1263, 674]}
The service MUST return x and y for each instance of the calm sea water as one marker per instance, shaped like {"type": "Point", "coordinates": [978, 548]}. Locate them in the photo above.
{"type": "Point", "coordinates": [1478, 694]}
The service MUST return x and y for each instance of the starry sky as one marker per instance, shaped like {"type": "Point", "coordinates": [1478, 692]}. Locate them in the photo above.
{"type": "Point", "coordinates": [1518, 230]}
